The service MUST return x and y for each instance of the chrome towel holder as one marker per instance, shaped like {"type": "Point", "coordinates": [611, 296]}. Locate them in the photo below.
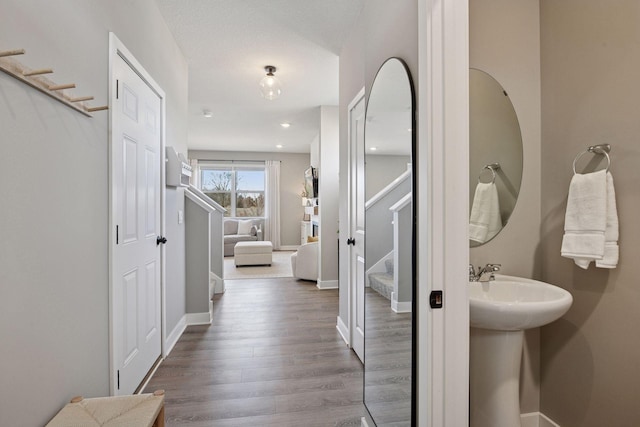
{"type": "Point", "coordinates": [603, 149]}
{"type": "Point", "coordinates": [493, 167]}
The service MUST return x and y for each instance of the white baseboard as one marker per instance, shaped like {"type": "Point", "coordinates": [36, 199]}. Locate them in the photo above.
{"type": "Point", "coordinates": [218, 283]}
{"type": "Point", "coordinates": [189, 319]}
{"type": "Point", "coordinates": [289, 248]}
{"type": "Point", "coordinates": [175, 335]}
{"type": "Point", "coordinates": [198, 319]}
{"type": "Point", "coordinates": [399, 307]}
{"type": "Point", "coordinates": [343, 331]}
{"type": "Point", "coordinates": [536, 419]}
{"type": "Point", "coordinates": [327, 284]}
{"type": "Point", "coordinates": [193, 319]}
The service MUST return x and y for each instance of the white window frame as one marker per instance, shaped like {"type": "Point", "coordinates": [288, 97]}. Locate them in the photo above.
{"type": "Point", "coordinates": [233, 167]}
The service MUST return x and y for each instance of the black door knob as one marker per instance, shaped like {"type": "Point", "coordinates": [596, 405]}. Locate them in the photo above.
{"type": "Point", "coordinates": [161, 239]}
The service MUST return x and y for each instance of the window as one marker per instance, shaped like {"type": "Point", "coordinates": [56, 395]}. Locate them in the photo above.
{"type": "Point", "coordinates": [237, 188]}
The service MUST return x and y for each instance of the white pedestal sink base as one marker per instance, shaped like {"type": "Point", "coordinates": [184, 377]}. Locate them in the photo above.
{"type": "Point", "coordinates": [495, 377]}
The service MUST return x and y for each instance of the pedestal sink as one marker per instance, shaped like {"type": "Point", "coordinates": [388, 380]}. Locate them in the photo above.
{"type": "Point", "coordinates": [500, 310]}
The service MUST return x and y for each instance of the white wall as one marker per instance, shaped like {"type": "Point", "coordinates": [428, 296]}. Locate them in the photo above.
{"type": "Point", "coordinates": [54, 210]}
{"type": "Point", "coordinates": [292, 167]}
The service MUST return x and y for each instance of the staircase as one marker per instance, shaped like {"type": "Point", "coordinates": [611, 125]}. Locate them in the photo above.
{"type": "Point", "coordinates": [383, 282]}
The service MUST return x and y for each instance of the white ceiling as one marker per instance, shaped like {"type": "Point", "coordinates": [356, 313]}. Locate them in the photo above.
{"type": "Point", "coordinates": [228, 43]}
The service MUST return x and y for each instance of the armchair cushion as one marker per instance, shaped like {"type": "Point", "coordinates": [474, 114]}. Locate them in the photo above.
{"type": "Point", "coordinates": [304, 262]}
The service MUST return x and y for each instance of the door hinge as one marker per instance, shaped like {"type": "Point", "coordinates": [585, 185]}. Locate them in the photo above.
{"type": "Point", "coordinates": [435, 299]}
{"type": "Point", "coordinates": [118, 379]}
{"type": "Point", "coordinates": [117, 233]}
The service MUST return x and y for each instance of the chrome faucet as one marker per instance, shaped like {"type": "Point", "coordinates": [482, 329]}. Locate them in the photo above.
{"type": "Point", "coordinates": [484, 274]}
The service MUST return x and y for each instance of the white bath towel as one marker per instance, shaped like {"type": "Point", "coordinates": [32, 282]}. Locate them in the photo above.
{"type": "Point", "coordinates": [484, 220]}
{"type": "Point", "coordinates": [585, 218]}
{"type": "Point", "coordinates": [610, 256]}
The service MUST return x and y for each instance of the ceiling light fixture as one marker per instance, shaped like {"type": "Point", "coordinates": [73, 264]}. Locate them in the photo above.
{"type": "Point", "coordinates": [207, 113]}
{"type": "Point", "coordinates": [270, 86]}
{"type": "Point", "coordinates": [285, 125]}
{"type": "Point", "coordinates": [279, 146]}
{"type": "Point", "coordinates": [373, 148]}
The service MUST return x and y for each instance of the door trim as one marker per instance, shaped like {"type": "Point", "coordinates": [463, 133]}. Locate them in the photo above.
{"type": "Point", "coordinates": [351, 294]}
{"type": "Point", "coordinates": [442, 227]}
{"type": "Point", "coordinates": [117, 48]}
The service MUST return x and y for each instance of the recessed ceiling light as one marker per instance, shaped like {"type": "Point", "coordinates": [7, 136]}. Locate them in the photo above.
{"type": "Point", "coordinates": [207, 113]}
{"type": "Point", "coordinates": [279, 146]}
{"type": "Point", "coordinates": [285, 125]}
{"type": "Point", "coordinates": [373, 148]}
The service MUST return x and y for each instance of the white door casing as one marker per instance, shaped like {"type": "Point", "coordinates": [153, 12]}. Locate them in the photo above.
{"type": "Point", "coordinates": [356, 215]}
{"type": "Point", "coordinates": [136, 221]}
{"type": "Point", "coordinates": [443, 217]}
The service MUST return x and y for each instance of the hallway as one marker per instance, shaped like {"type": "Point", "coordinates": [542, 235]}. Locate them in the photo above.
{"type": "Point", "coordinates": [272, 357]}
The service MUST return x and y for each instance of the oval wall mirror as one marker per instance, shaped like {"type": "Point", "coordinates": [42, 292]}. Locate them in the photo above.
{"type": "Point", "coordinates": [495, 157]}
{"type": "Point", "coordinates": [389, 372]}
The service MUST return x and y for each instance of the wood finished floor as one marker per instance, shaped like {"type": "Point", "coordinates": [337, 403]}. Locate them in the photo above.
{"type": "Point", "coordinates": [387, 376]}
{"type": "Point", "coordinates": [272, 357]}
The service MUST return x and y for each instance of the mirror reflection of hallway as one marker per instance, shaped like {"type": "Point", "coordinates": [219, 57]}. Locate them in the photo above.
{"type": "Point", "coordinates": [389, 378]}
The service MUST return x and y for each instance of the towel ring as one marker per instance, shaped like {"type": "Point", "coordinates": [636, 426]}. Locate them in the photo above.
{"type": "Point", "coordinates": [492, 167]}
{"type": "Point", "coordinates": [603, 149]}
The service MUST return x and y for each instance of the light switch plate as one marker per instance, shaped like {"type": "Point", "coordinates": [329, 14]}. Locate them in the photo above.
{"type": "Point", "coordinates": [180, 217]}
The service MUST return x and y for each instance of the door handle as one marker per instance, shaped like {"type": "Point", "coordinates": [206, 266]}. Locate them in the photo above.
{"type": "Point", "coordinates": [351, 241]}
{"type": "Point", "coordinates": [161, 239]}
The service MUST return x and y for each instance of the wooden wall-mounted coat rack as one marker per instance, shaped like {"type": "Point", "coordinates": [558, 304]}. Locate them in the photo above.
{"type": "Point", "coordinates": [37, 80]}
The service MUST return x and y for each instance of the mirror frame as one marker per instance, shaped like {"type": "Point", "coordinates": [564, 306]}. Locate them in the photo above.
{"type": "Point", "coordinates": [414, 250]}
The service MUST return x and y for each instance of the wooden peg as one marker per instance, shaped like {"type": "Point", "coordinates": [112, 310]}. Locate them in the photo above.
{"type": "Point", "coordinates": [12, 52]}
{"type": "Point", "coordinates": [37, 72]}
{"type": "Point", "coordinates": [80, 99]}
{"type": "Point", "coordinates": [60, 87]}
{"type": "Point", "coordinates": [92, 109]}
{"type": "Point", "coordinates": [77, 399]}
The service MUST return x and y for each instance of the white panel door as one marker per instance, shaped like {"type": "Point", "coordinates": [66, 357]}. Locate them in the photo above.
{"type": "Point", "coordinates": [136, 197]}
{"type": "Point", "coordinates": [356, 223]}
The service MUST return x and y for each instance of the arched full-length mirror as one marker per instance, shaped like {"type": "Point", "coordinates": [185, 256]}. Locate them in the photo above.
{"type": "Point", "coordinates": [495, 157]}
{"type": "Point", "coordinates": [389, 248]}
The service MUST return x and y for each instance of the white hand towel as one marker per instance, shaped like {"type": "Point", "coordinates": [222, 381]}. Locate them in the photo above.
{"type": "Point", "coordinates": [485, 220]}
{"type": "Point", "coordinates": [585, 218]}
{"type": "Point", "coordinates": [610, 257]}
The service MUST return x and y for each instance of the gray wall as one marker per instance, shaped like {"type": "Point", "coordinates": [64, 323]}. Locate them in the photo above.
{"type": "Point", "coordinates": [514, 61]}
{"type": "Point", "coordinates": [328, 187]}
{"type": "Point", "coordinates": [384, 29]}
{"type": "Point", "coordinates": [198, 257]}
{"type": "Point", "coordinates": [382, 170]}
{"type": "Point", "coordinates": [292, 169]}
{"type": "Point", "coordinates": [591, 95]}
{"type": "Point", "coordinates": [54, 286]}
{"type": "Point", "coordinates": [379, 224]}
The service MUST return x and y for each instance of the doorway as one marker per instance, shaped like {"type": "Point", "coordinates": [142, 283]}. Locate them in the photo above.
{"type": "Point", "coordinates": [136, 221]}
{"type": "Point", "coordinates": [355, 244]}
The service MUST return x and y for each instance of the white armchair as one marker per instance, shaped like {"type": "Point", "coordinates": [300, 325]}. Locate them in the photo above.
{"type": "Point", "coordinates": [304, 263]}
